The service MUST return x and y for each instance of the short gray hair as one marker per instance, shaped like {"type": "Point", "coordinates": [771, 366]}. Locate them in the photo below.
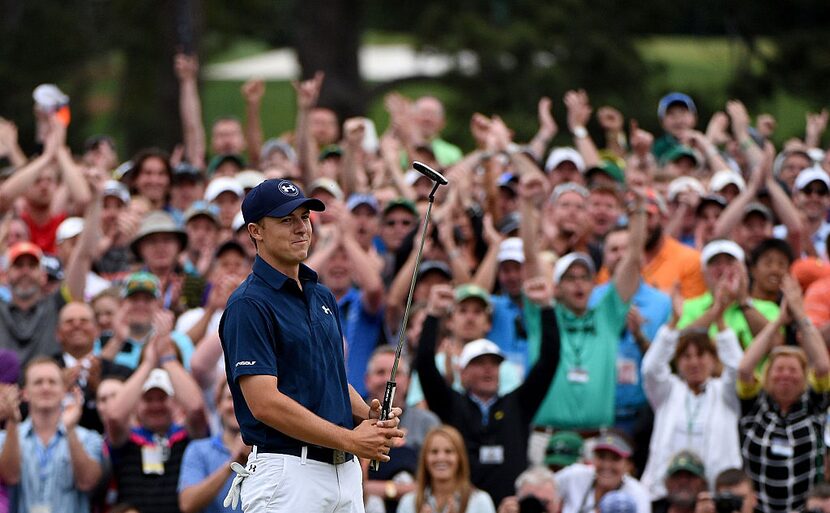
{"type": "Point", "coordinates": [535, 476]}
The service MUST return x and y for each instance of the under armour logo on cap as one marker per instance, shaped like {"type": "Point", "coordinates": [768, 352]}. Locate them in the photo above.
{"type": "Point", "coordinates": [276, 198]}
{"type": "Point", "coordinates": [288, 188]}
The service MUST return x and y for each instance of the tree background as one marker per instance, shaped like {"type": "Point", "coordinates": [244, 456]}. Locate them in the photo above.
{"type": "Point", "coordinates": [116, 56]}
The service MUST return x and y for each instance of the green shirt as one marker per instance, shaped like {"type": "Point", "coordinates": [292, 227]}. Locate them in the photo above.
{"type": "Point", "coordinates": [582, 393]}
{"type": "Point", "coordinates": [446, 153]}
{"type": "Point", "coordinates": [733, 317]}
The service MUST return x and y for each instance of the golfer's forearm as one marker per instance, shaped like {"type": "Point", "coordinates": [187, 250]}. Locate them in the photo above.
{"type": "Point", "coordinates": [291, 418]}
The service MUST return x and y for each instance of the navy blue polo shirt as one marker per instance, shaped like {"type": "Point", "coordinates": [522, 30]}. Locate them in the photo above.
{"type": "Point", "coordinates": [271, 327]}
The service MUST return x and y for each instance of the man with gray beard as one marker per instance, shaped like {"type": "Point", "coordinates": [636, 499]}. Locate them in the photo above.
{"type": "Point", "coordinates": [29, 321]}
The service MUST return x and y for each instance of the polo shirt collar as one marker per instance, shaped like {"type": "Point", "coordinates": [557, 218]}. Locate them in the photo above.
{"type": "Point", "coordinates": [275, 278]}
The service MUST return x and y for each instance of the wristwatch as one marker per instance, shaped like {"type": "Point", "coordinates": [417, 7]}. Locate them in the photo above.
{"type": "Point", "coordinates": [580, 132]}
{"type": "Point", "coordinates": [391, 490]}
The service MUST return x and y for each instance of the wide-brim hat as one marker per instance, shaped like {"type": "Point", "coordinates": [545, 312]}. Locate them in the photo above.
{"type": "Point", "coordinates": [157, 221]}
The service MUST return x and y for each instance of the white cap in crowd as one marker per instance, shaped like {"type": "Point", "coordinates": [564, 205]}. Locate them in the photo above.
{"type": "Point", "coordinates": [564, 263]}
{"type": "Point", "coordinates": [682, 184]}
{"type": "Point", "coordinates": [223, 184]}
{"type": "Point", "coordinates": [158, 378]}
{"type": "Point", "coordinates": [721, 247]}
{"type": "Point", "coordinates": [564, 154]}
{"type": "Point", "coordinates": [70, 227]}
{"type": "Point", "coordinates": [511, 250]}
{"type": "Point", "coordinates": [726, 177]}
{"type": "Point", "coordinates": [476, 348]}
{"type": "Point", "coordinates": [810, 175]}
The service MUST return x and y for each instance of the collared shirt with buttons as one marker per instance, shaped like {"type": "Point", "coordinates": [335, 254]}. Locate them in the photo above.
{"type": "Point", "coordinates": [272, 327]}
{"type": "Point", "coordinates": [46, 477]}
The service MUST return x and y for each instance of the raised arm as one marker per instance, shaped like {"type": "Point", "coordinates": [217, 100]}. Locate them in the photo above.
{"type": "Point", "coordinates": [86, 468]}
{"type": "Point", "coordinates": [9, 146]}
{"type": "Point", "coordinates": [760, 347]}
{"type": "Point", "coordinates": [733, 214]}
{"type": "Point", "coordinates": [627, 274]}
{"type": "Point", "coordinates": [190, 108]}
{"type": "Point", "coordinates": [185, 389]}
{"type": "Point", "coordinates": [307, 93]}
{"type": "Point", "coordinates": [10, 454]}
{"type": "Point", "coordinates": [83, 254]}
{"type": "Point", "coordinates": [366, 277]}
{"type": "Point", "coordinates": [809, 337]}
{"type": "Point", "coordinates": [533, 391]}
{"type": "Point", "coordinates": [612, 122]}
{"type": "Point", "coordinates": [579, 113]}
{"type": "Point", "coordinates": [71, 175]}
{"type": "Point", "coordinates": [252, 92]}
{"type": "Point", "coordinates": [437, 391]}
{"type": "Point", "coordinates": [531, 196]}
{"type": "Point", "coordinates": [24, 179]}
{"type": "Point", "coordinates": [547, 128]}
{"type": "Point", "coordinates": [485, 276]}
{"type": "Point", "coordinates": [816, 125]}
{"type": "Point", "coordinates": [117, 419]}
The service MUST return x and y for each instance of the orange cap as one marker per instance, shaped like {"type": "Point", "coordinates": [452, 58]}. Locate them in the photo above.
{"type": "Point", "coordinates": [23, 248]}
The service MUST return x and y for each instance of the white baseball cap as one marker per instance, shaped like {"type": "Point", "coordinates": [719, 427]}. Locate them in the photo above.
{"type": "Point", "coordinates": [564, 154]}
{"type": "Point", "coordinates": [476, 348]}
{"type": "Point", "coordinates": [810, 175]}
{"type": "Point", "coordinates": [684, 183]}
{"type": "Point", "coordinates": [511, 249]}
{"type": "Point", "coordinates": [563, 264]}
{"type": "Point", "coordinates": [726, 177]}
{"type": "Point", "coordinates": [249, 178]}
{"type": "Point", "coordinates": [718, 247]}
{"type": "Point", "coordinates": [117, 189]}
{"type": "Point", "coordinates": [70, 227]}
{"type": "Point", "coordinates": [158, 378]}
{"type": "Point", "coordinates": [223, 184]}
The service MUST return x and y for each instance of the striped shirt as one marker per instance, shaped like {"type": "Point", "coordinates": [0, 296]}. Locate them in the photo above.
{"type": "Point", "coordinates": [46, 477]}
{"type": "Point", "coordinates": [783, 453]}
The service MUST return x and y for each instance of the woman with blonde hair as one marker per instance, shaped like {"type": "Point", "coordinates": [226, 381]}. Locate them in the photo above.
{"type": "Point", "coordinates": [783, 414]}
{"type": "Point", "coordinates": [443, 483]}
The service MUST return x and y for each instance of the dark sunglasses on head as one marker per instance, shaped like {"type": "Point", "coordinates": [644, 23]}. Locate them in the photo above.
{"type": "Point", "coordinates": [402, 222]}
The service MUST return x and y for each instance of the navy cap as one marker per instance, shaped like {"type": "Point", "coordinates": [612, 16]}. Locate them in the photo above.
{"type": "Point", "coordinates": [672, 98]}
{"type": "Point", "coordinates": [276, 198]}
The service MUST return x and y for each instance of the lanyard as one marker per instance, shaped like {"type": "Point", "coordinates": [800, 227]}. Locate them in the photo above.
{"type": "Point", "coordinates": [692, 411]}
{"type": "Point", "coordinates": [44, 471]}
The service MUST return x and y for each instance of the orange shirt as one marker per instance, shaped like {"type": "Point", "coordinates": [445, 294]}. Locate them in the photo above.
{"type": "Point", "coordinates": [674, 264]}
{"type": "Point", "coordinates": [817, 302]}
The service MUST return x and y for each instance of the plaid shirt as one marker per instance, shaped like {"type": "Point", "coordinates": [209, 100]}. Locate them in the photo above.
{"type": "Point", "coordinates": [782, 453]}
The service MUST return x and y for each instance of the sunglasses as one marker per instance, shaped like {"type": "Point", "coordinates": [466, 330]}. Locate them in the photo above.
{"type": "Point", "coordinates": [818, 191]}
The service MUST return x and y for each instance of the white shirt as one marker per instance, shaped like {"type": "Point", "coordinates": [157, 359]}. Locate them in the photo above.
{"type": "Point", "coordinates": [576, 487]}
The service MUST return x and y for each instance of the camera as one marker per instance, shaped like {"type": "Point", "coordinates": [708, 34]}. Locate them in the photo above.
{"type": "Point", "coordinates": [532, 504]}
{"type": "Point", "coordinates": [728, 502]}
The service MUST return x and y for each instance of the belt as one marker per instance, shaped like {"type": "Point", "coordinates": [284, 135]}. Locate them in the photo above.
{"type": "Point", "coordinates": [322, 454]}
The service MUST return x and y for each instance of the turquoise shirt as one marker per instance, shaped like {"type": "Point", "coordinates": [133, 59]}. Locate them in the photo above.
{"type": "Point", "coordinates": [582, 393]}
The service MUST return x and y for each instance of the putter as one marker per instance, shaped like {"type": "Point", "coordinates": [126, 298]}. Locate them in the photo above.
{"type": "Point", "coordinates": [438, 180]}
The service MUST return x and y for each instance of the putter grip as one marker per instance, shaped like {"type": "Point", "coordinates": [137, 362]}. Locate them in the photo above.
{"type": "Point", "coordinates": [385, 408]}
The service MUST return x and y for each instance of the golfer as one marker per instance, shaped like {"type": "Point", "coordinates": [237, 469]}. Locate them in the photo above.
{"type": "Point", "coordinates": [283, 347]}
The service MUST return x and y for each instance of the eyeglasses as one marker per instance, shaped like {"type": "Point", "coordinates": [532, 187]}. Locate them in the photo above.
{"type": "Point", "coordinates": [402, 222]}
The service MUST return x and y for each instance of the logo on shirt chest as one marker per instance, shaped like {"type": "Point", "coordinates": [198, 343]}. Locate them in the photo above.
{"type": "Point", "coordinates": [326, 309]}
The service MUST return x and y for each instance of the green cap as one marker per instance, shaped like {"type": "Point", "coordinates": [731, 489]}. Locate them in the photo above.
{"type": "Point", "coordinates": [218, 160]}
{"type": "Point", "coordinates": [332, 150]}
{"type": "Point", "coordinates": [677, 152]}
{"type": "Point", "coordinates": [142, 282]}
{"type": "Point", "coordinates": [564, 448]}
{"type": "Point", "coordinates": [401, 203]}
{"type": "Point", "coordinates": [471, 290]}
{"type": "Point", "coordinates": [688, 461]}
{"type": "Point", "coordinates": [609, 168]}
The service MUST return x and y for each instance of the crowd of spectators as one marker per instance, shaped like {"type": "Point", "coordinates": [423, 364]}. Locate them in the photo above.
{"type": "Point", "coordinates": [633, 324]}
